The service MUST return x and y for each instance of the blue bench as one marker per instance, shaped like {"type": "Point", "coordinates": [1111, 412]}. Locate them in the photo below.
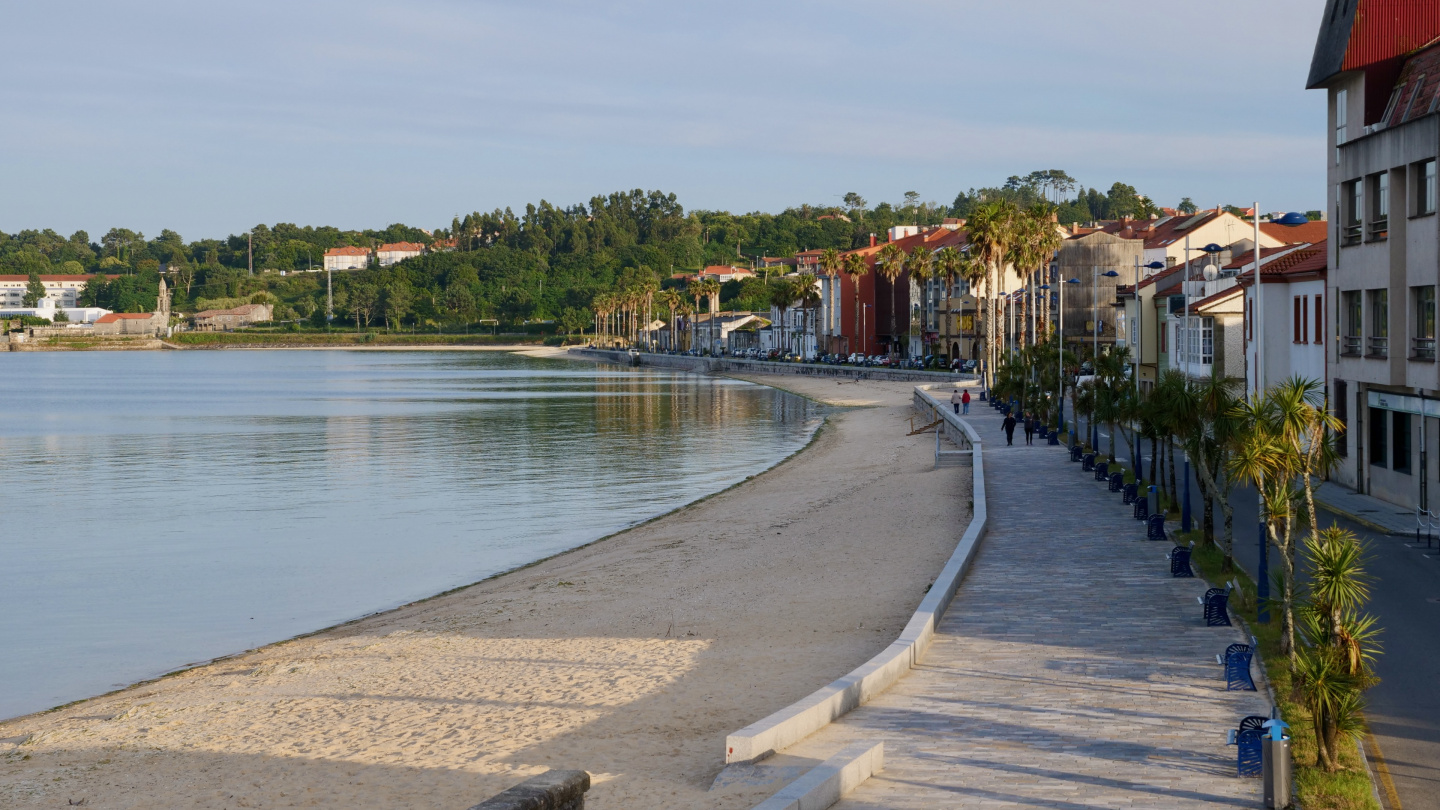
{"type": "Point", "coordinates": [1089, 464]}
{"type": "Point", "coordinates": [1117, 481]}
{"type": "Point", "coordinates": [1237, 666]}
{"type": "Point", "coordinates": [1076, 452]}
{"type": "Point", "coordinates": [1054, 437]}
{"type": "Point", "coordinates": [1216, 602]}
{"type": "Point", "coordinates": [1142, 507]}
{"type": "Point", "coordinates": [1102, 471]}
{"type": "Point", "coordinates": [1179, 558]}
{"type": "Point", "coordinates": [1249, 737]}
{"type": "Point", "coordinates": [1155, 527]}
{"type": "Point", "coordinates": [1131, 492]}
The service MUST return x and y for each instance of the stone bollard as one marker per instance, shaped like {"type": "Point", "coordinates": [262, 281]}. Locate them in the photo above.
{"type": "Point", "coordinates": [552, 790]}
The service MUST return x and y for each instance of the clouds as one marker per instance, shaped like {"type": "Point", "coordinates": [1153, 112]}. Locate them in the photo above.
{"type": "Point", "coordinates": [211, 117]}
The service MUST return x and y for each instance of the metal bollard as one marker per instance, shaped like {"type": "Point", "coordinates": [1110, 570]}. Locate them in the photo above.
{"type": "Point", "coordinates": [1275, 768]}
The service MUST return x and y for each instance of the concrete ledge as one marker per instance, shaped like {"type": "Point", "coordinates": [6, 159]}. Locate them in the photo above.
{"type": "Point", "coordinates": [552, 790]}
{"type": "Point", "coordinates": [722, 365]}
{"type": "Point", "coordinates": [827, 782]}
{"type": "Point", "coordinates": [812, 713]}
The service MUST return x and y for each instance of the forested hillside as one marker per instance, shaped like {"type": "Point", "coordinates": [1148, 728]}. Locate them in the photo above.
{"type": "Point", "coordinates": [546, 263]}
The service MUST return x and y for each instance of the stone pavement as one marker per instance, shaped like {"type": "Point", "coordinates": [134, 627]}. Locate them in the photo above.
{"type": "Point", "coordinates": [1070, 671]}
{"type": "Point", "coordinates": [1387, 518]}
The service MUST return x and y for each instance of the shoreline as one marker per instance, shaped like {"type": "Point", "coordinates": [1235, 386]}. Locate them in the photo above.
{"type": "Point", "coordinates": [52, 735]}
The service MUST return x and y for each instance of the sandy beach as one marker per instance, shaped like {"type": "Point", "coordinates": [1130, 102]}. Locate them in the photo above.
{"type": "Point", "coordinates": [630, 658]}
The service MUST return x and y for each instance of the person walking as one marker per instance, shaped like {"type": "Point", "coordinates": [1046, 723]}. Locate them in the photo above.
{"type": "Point", "coordinates": [1030, 423]}
{"type": "Point", "coordinates": [965, 401]}
{"type": "Point", "coordinates": [956, 399]}
{"type": "Point", "coordinates": [1009, 426]}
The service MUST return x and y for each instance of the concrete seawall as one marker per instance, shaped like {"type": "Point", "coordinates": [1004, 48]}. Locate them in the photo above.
{"type": "Point", "coordinates": [724, 365]}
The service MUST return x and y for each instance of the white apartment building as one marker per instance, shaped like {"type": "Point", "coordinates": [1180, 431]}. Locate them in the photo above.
{"type": "Point", "coordinates": [63, 290]}
{"type": "Point", "coordinates": [347, 258]}
{"type": "Point", "coordinates": [396, 252]}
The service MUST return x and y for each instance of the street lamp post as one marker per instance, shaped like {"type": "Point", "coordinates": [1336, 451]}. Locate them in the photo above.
{"type": "Point", "coordinates": [1095, 330]}
{"type": "Point", "coordinates": [1060, 357]}
{"type": "Point", "coordinates": [1140, 354]}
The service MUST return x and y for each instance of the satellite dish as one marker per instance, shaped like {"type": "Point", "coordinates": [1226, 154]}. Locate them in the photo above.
{"type": "Point", "coordinates": [1211, 272]}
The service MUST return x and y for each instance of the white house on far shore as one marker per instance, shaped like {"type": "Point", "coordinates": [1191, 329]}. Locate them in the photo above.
{"type": "Point", "coordinates": [347, 258]}
{"type": "Point", "coordinates": [397, 252]}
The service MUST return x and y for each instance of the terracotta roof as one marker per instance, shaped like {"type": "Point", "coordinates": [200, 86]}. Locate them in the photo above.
{"type": "Point", "coordinates": [402, 247]}
{"type": "Point", "coordinates": [1310, 232]}
{"type": "Point", "coordinates": [1248, 257]}
{"type": "Point", "coordinates": [1216, 298]}
{"type": "Point", "coordinates": [125, 316]}
{"type": "Point", "coordinates": [348, 250]}
{"type": "Point", "coordinates": [1310, 260]}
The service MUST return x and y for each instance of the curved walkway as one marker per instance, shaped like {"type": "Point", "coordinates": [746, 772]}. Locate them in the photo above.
{"type": "Point", "coordinates": [1070, 671]}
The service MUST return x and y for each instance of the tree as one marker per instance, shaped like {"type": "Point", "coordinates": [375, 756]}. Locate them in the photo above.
{"type": "Point", "coordinates": [948, 262]}
{"type": "Point", "coordinates": [34, 291]}
{"type": "Point", "coordinates": [363, 300]}
{"type": "Point", "coordinates": [1186, 206]}
{"type": "Point", "coordinates": [831, 264]}
{"type": "Point", "coordinates": [856, 269]}
{"type": "Point", "coordinates": [890, 263]}
{"type": "Point", "coordinates": [854, 202]}
{"type": "Point", "coordinates": [459, 302]}
{"type": "Point", "coordinates": [396, 299]}
{"type": "Point", "coordinates": [992, 230]}
{"type": "Point", "coordinates": [921, 264]}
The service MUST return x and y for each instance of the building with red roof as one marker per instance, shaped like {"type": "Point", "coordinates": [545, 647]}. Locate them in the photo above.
{"type": "Point", "coordinates": [396, 252]}
{"type": "Point", "coordinates": [347, 257]}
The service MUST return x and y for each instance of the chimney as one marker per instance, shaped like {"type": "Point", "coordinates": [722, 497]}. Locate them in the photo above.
{"type": "Point", "coordinates": [872, 240]}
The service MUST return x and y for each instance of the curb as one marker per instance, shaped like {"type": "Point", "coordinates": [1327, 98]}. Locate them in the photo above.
{"type": "Point", "coordinates": [825, 784]}
{"type": "Point", "coordinates": [1369, 524]}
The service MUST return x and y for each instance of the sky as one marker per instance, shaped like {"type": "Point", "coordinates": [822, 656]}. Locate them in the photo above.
{"type": "Point", "coordinates": [207, 118]}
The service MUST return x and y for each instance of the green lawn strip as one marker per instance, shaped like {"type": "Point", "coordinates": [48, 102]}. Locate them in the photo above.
{"type": "Point", "coordinates": [1347, 789]}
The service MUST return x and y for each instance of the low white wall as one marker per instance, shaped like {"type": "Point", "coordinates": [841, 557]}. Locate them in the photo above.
{"type": "Point", "coordinates": [806, 716]}
{"type": "Point", "coordinates": [826, 783]}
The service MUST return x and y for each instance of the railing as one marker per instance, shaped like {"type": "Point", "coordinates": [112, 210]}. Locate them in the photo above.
{"type": "Point", "coordinates": [1379, 346]}
{"type": "Point", "coordinates": [1427, 522]}
{"type": "Point", "coordinates": [1379, 229]}
{"type": "Point", "coordinates": [1350, 345]}
{"type": "Point", "coordinates": [1352, 234]}
{"type": "Point", "coordinates": [1422, 348]}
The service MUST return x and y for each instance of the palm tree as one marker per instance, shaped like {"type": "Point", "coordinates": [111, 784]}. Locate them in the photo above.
{"type": "Point", "coordinates": [696, 289]}
{"type": "Point", "coordinates": [687, 312]}
{"type": "Point", "coordinates": [889, 263]}
{"type": "Point", "coordinates": [712, 292]}
{"type": "Point", "coordinates": [804, 292]}
{"type": "Point", "coordinates": [992, 230]}
{"type": "Point", "coordinates": [1036, 241]}
{"type": "Point", "coordinates": [831, 265]}
{"type": "Point", "coordinates": [921, 264]}
{"type": "Point", "coordinates": [856, 269]}
{"type": "Point", "coordinates": [782, 294]}
{"type": "Point", "coordinates": [670, 299]}
{"type": "Point", "coordinates": [948, 262]}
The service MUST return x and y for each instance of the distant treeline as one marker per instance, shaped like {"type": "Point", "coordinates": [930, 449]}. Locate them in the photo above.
{"type": "Point", "coordinates": [547, 263]}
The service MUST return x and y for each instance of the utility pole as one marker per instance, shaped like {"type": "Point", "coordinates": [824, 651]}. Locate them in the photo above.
{"type": "Point", "coordinates": [250, 252]}
{"type": "Point", "coordinates": [329, 299]}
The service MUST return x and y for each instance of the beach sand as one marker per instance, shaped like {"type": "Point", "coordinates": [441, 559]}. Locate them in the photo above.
{"type": "Point", "coordinates": [631, 658]}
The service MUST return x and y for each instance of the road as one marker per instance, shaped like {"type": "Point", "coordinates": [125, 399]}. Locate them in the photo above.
{"type": "Point", "coordinates": [1404, 709]}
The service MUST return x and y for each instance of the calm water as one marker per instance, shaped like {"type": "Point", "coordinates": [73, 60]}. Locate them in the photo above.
{"type": "Point", "coordinates": [163, 508]}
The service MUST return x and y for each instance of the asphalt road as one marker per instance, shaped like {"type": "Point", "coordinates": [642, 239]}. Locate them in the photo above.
{"type": "Point", "coordinates": [1404, 709]}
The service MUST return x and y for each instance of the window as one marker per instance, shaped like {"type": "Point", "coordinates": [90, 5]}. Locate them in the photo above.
{"type": "Point", "coordinates": [1350, 312]}
{"type": "Point", "coordinates": [1425, 186]}
{"type": "Point", "coordinates": [1352, 202]}
{"type": "Point", "coordinates": [1390, 107]}
{"type": "Point", "coordinates": [1319, 320]}
{"type": "Point", "coordinates": [1198, 344]}
{"type": "Point", "coordinates": [1342, 415]}
{"type": "Point", "coordinates": [1298, 332]}
{"type": "Point", "coordinates": [1163, 331]}
{"type": "Point", "coordinates": [1342, 114]}
{"type": "Point", "coordinates": [1377, 437]}
{"type": "Point", "coordinates": [1379, 206]}
{"type": "Point", "coordinates": [1414, 94]}
{"type": "Point", "coordinates": [1400, 442]}
{"type": "Point", "coordinates": [1379, 322]}
{"type": "Point", "coordinates": [1423, 340]}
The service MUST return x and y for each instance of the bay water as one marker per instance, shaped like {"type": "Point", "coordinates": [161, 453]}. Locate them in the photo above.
{"type": "Point", "coordinates": [163, 508]}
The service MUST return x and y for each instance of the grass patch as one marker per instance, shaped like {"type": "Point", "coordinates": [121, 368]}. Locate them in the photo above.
{"type": "Point", "coordinates": [1347, 789]}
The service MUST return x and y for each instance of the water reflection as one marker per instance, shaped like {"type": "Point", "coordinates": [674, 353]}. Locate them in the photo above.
{"type": "Point", "coordinates": [163, 508]}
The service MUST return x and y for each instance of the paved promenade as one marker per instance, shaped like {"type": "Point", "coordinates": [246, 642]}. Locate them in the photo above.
{"type": "Point", "coordinates": [1071, 670]}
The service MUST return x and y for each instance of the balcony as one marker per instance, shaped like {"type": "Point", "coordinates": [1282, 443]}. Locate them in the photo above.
{"type": "Point", "coordinates": [1352, 234]}
{"type": "Point", "coordinates": [1379, 347]}
{"type": "Point", "coordinates": [1422, 348]}
{"type": "Point", "coordinates": [1350, 346]}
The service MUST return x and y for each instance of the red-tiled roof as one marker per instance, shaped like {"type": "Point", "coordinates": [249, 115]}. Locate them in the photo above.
{"type": "Point", "coordinates": [1216, 298]}
{"type": "Point", "coordinates": [1248, 257]}
{"type": "Point", "coordinates": [1310, 232]}
{"type": "Point", "coordinates": [125, 316]}
{"type": "Point", "coordinates": [348, 250]}
{"type": "Point", "coordinates": [1310, 260]}
{"type": "Point", "coordinates": [403, 247]}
